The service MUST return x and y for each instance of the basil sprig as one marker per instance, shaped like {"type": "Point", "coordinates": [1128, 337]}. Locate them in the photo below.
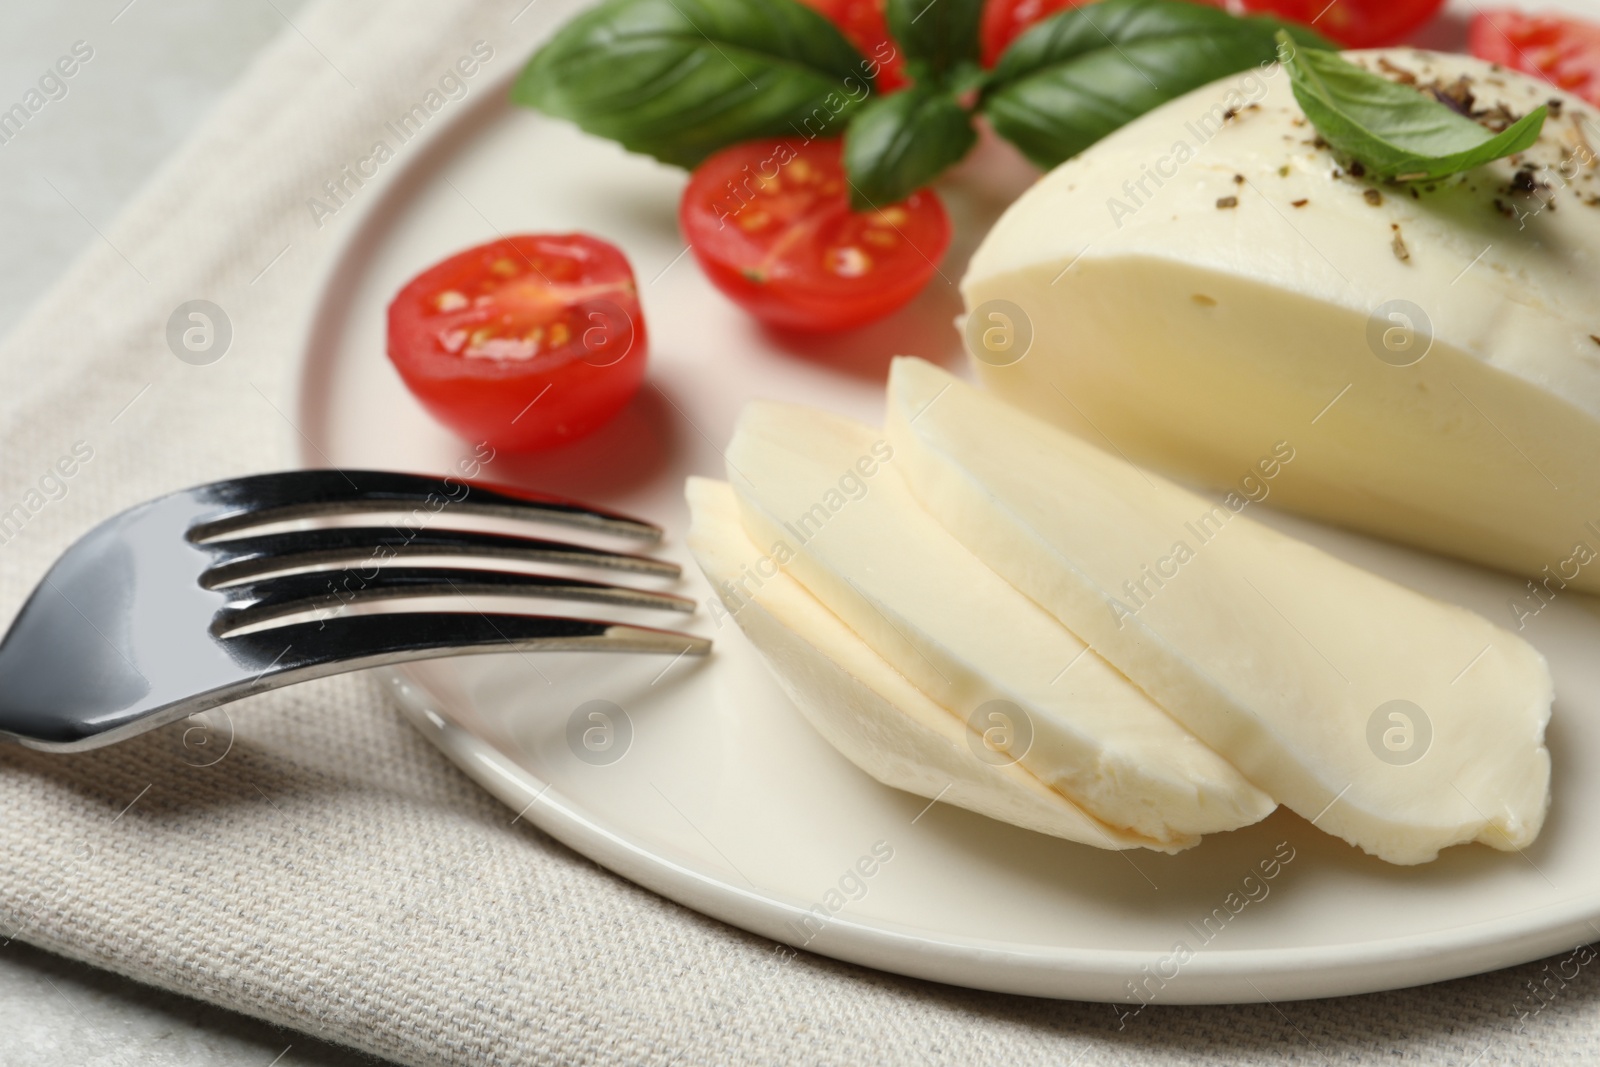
{"type": "Point", "coordinates": [680, 79]}
{"type": "Point", "coordinates": [1392, 129]}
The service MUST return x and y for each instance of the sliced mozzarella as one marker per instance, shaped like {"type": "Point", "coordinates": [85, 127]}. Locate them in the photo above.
{"type": "Point", "coordinates": [862, 706]}
{"type": "Point", "coordinates": [823, 492]}
{"type": "Point", "coordinates": [1396, 722]}
{"type": "Point", "coordinates": [1210, 280]}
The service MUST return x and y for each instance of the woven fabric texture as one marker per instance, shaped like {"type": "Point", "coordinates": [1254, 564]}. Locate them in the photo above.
{"type": "Point", "coordinates": [334, 873]}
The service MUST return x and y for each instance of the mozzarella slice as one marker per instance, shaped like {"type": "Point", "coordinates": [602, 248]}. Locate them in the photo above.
{"type": "Point", "coordinates": [824, 492]}
{"type": "Point", "coordinates": [1209, 280]}
{"type": "Point", "coordinates": [858, 703]}
{"type": "Point", "coordinates": [1396, 722]}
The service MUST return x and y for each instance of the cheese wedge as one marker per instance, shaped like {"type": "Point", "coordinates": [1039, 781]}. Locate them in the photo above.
{"type": "Point", "coordinates": [1209, 280]}
{"type": "Point", "coordinates": [824, 492]}
{"type": "Point", "coordinates": [1396, 722]}
{"type": "Point", "coordinates": [858, 703]}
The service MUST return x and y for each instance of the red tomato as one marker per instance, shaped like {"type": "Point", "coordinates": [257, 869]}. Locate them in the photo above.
{"type": "Point", "coordinates": [770, 223]}
{"type": "Point", "coordinates": [864, 25]}
{"type": "Point", "coordinates": [525, 342]}
{"type": "Point", "coordinates": [1562, 51]}
{"type": "Point", "coordinates": [1353, 23]}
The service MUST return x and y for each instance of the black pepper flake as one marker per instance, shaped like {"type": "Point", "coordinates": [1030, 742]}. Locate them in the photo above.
{"type": "Point", "coordinates": [1227, 202]}
{"type": "Point", "coordinates": [1300, 203]}
{"type": "Point", "coordinates": [1228, 115]}
{"type": "Point", "coordinates": [1497, 118]}
{"type": "Point", "coordinates": [1373, 197]}
{"type": "Point", "coordinates": [1505, 209]}
{"type": "Point", "coordinates": [1283, 171]}
{"type": "Point", "coordinates": [1414, 194]}
{"type": "Point", "coordinates": [1457, 95]}
{"type": "Point", "coordinates": [1522, 182]}
{"type": "Point", "coordinates": [1399, 74]}
{"type": "Point", "coordinates": [1238, 179]}
{"type": "Point", "coordinates": [1555, 104]}
{"type": "Point", "coordinates": [1401, 252]}
{"type": "Point", "coordinates": [1595, 339]}
{"type": "Point", "coordinates": [1357, 170]}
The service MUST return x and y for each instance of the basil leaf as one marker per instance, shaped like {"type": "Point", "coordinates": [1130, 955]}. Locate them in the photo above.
{"type": "Point", "coordinates": [940, 37]}
{"type": "Point", "coordinates": [1394, 130]}
{"type": "Point", "coordinates": [1088, 71]}
{"type": "Point", "coordinates": [899, 143]}
{"type": "Point", "coordinates": [679, 79]}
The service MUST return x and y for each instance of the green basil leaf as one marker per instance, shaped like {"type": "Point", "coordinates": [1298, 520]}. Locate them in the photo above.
{"type": "Point", "coordinates": [1394, 130]}
{"type": "Point", "coordinates": [940, 36]}
{"type": "Point", "coordinates": [899, 143]}
{"type": "Point", "coordinates": [1088, 71]}
{"type": "Point", "coordinates": [679, 79]}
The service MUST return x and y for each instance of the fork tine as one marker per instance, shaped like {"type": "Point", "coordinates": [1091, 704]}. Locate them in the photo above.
{"type": "Point", "coordinates": [304, 650]}
{"type": "Point", "coordinates": [267, 498]}
{"type": "Point", "coordinates": [366, 546]}
{"type": "Point", "coordinates": [292, 594]}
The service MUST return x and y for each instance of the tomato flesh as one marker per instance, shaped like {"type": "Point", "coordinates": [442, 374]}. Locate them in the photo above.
{"type": "Point", "coordinates": [865, 25]}
{"type": "Point", "coordinates": [1563, 51]}
{"type": "Point", "coordinates": [523, 343]}
{"type": "Point", "coordinates": [770, 224]}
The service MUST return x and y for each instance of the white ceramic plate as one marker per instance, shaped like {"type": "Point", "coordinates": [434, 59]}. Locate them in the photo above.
{"type": "Point", "coordinates": [723, 798]}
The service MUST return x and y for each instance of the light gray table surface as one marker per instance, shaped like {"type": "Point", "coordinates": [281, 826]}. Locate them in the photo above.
{"type": "Point", "coordinates": [156, 68]}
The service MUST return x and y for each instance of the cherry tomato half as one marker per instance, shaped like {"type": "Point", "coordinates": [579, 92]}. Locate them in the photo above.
{"type": "Point", "coordinates": [770, 223]}
{"type": "Point", "coordinates": [864, 25]}
{"type": "Point", "coordinates": [1564, 52]}
{"type": "Point", "coordinates": [525, 342]}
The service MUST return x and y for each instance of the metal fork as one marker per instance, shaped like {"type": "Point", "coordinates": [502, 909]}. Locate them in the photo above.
{"type": "Point", "coordinates": [134, 626]}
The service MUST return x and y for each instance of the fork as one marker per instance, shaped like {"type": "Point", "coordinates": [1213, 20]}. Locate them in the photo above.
{"type": "Point", "coordinates": [165, 610]}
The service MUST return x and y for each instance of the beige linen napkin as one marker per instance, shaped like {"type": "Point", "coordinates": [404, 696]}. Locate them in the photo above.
{"type": "Point", "coordinates": [333, 873]}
